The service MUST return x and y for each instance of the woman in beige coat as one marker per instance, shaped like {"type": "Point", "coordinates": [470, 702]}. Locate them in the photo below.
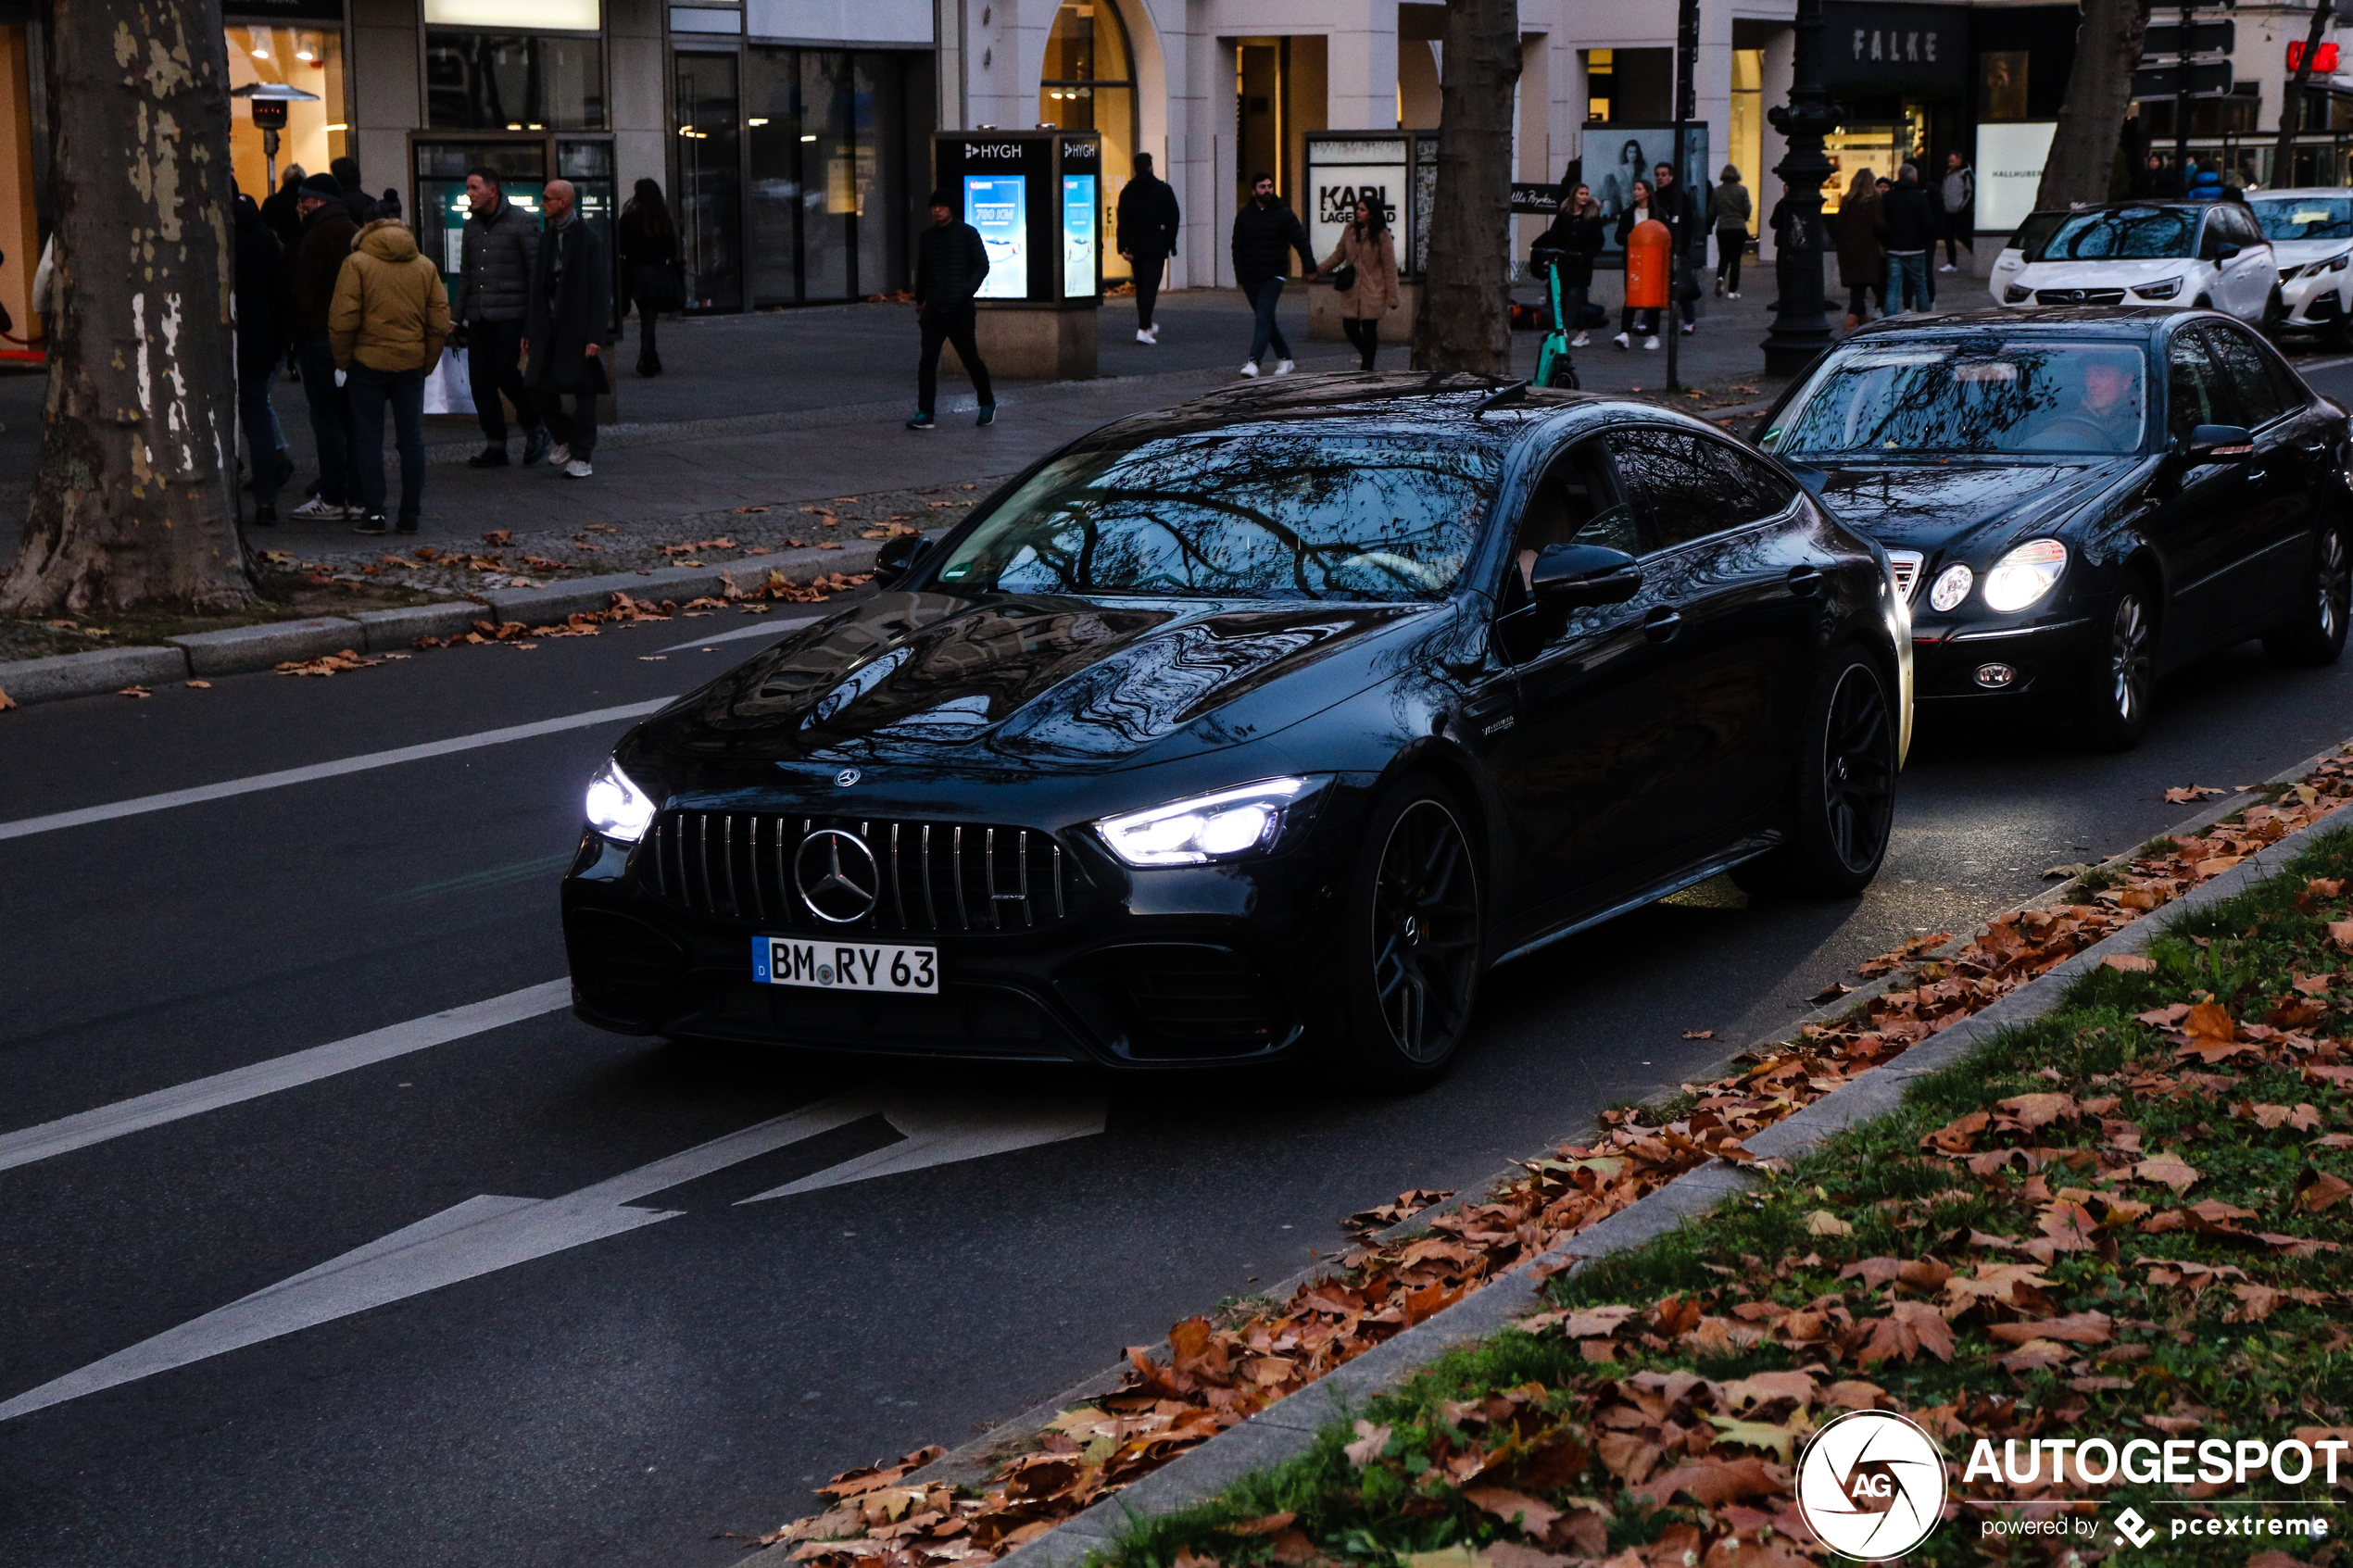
{"type": "Point", "coordinates": [1365, 245]}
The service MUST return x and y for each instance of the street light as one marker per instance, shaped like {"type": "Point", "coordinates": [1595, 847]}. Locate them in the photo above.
{"type": "Point", "coordinates": [270, 101]}
{"type": "Point", "coordinates": [1801, 329]}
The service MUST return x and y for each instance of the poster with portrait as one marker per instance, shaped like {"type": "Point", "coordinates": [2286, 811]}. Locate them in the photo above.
{"type": "Point", "coordinates": [1618, 153]}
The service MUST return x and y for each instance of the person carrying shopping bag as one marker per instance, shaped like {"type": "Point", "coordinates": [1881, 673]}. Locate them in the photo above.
{"type": "Point", "coordinates": [1363, 268]}
{"type": "Point", "coordinates": [388, 322]}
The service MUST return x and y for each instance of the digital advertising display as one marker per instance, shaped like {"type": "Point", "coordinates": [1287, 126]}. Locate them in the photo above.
{"type": "Point", "coordinates": [998, 206]}
{"type": "Point", "coordinates": [1078, 235]}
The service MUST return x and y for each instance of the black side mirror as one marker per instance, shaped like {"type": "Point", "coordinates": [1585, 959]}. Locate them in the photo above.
{"type": "Point", "coordinates": [897, 557]}
{"type": "Point", "coordinates": [1580, 576]}
{"type": "Point", "coordinates": [2219, 443]}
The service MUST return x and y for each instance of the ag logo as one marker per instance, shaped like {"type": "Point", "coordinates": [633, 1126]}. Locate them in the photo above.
{"type": "Point", "coordinates": [1871, 1485]}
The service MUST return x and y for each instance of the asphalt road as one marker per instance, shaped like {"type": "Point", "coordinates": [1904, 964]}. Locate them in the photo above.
{"type": "Point", "coordinates": [623, 1376]}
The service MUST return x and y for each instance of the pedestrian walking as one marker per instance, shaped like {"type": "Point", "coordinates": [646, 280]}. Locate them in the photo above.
{"type": "Point", "coordinates": [1363, 268]}
{"type": "Point", "coordinates": [951, 264]}
{"type": "Point", "coordinates": [278, 210]}
{"type": "Point", "coordinates": [327, 233]}
{"type": "Point", "coordinates": [1957, 198]}
{"type": "Point", "coordinates": [647, 241]}
{"type": "Point", "coordinates": [497, 248]}
{"type": "Point", "coordinates": [1675, 208]}
{"type": "Point", "coordinates": [1641, 207]}
{"type": "Point", "coordinates": [388, 322]}
{"type": "Point", "coordinates": [1265, 232]}
{"type": "Point", "coordinates": [1908, 229]}
{"type": "Point", "coordinates": [566, 330]}
{"type": "Point", "coordinates": [265, 326]}
{"type": "Point", "coordinates": [1862, 264]}
{"type": "Point", "coordinates": [1574, 240]}
{"type": "Point", "coordinates": [1148, 220]}
{"type": "Point", "coordinates": [1727, 213]}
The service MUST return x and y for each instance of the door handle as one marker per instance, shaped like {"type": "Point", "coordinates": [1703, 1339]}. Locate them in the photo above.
{"type": "Point", "coordinates": [1804, 581]}
{"type": "Point", "coordinates": [1662, 623]}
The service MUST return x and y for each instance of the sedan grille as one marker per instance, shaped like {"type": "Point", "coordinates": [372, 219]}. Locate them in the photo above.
{"type": "Point", "coordinates": [1906, 566]}
{"type": "Point", "coordinates": [2079, 296]}
{"type": "Point", "coordinates": [866, 875]}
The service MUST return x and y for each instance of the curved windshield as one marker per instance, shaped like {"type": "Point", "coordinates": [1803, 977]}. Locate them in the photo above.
{"type": "Point", "coordinates": [2127, 234]}
{"type": "Point", "coordinates": [2038, 396]}
{"type": "Point", "coordinates": [2306, 217]}
{"type": "Point", "coordinates": [1285, 512]}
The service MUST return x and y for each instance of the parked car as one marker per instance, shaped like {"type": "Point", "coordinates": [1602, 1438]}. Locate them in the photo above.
{"type": "Point", "coordinates": [2204, 256]}
{"type": "Point", "coordinates": [1259, 724]}
{"type": "Point", "coordinates": [2078, 501]}
{"type": "Point", "coordinates": [2311, 235]}
{"type": "Point", "coordinates": [2025, 244]}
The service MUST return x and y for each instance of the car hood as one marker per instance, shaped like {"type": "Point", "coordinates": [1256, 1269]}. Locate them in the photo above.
{"type": "Point", "coordinates": [1014, 683]}
{"type": "Point", "coordinates": [1965, 506]}
{"type": "Point", "coordinates": [2298, 252]}
{"type": "Point", "coordinates": [2101, 274]}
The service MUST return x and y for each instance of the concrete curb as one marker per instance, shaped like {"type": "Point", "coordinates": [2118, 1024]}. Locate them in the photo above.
{"type": "Point", "coordinates": [84, 674]}
{"type": "Point", "coordinates": [239, 649]}
{"type": "Point", "coordinates": [390, 629]}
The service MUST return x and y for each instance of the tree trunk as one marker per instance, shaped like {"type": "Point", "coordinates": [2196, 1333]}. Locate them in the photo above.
{"type": "Point", "coordinates": [1464, 320]}
{"type": "Point", "coordinates": [2292, 100]}
{"type": "Point", "coordinates": [133, 502]}
{"type": "Point", "coordinates": [2099, 87]}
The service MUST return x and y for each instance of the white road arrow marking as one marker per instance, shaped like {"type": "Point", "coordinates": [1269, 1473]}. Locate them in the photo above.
{"type": "Point", "coordinates": [485, 1234]}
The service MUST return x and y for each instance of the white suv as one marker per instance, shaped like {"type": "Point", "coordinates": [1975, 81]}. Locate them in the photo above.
{"type": "Point", "coordinates": [2184, 255]}
{"type": "Point", "coordinates": [2311, 235]}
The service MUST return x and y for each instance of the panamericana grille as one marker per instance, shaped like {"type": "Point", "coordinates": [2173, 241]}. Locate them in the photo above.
{"type": "Point", "coordinates": [2079, 296]}
{"type": "Point", "coordinates": [932, 876]}
{"type": "Point", "coordinates": [1906, 566]}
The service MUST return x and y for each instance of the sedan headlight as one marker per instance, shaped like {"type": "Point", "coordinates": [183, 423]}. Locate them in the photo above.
{"type": "Point", "coordinates": [616, 807]}
{"type": "Point", "coordinates": [2025, 574]}
{"type": "Point", "coordinates": [2164, 288]}
{"type": "Point", "coordinates": [1206, 827]}
{"type": "Point", "coordinates": [2334, 263]}
{"type": "Point", "coordinates": [1950, 588]}
{"type": "Point", "coordinates": [2017, 293]}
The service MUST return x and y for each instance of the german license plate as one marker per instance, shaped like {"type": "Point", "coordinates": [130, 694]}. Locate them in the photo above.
{"type": "Point", "coordinates": [844, 966]}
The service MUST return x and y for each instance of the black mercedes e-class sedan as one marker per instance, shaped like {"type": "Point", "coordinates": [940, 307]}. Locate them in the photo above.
{"type": "Point", "coordinates": [2079, 500]}
{"type": "Point", "coordinates": [1256, 726]}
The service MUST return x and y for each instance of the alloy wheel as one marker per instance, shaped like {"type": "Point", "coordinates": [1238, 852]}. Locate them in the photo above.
{"type": "Point", "coordinates": [2334, 582]}
{"type": "Point", "coordinates": [2130, 663]}
{"type": "Point", "coordinates": [1858, 769]}
{"type": "Point", "coordinates": [1425, 932]}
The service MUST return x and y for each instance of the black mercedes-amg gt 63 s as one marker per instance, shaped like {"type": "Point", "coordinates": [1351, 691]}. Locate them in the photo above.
{"type": "Point", "coordinates": [1257, 726]}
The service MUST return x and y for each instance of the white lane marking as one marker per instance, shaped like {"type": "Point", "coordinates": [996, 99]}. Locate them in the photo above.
{"type": "Point", "coordinates": [200, 1094]}
{"type": "Point", "coordinates": [487, 1234]}
{"type": "Point", "coordinates": [56, 820]}
{"type": "Point", "coordinates": [772, 629]}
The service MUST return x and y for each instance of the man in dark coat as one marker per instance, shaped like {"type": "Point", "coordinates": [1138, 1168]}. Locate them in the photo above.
{"type": "Point", "coordinates": [951, 264]}
{"type": "Point", "coordinates": [1908, 230]}
{"type": "Point", "coordinates": [1148, 220]}
{"type": "Point", "coordinates": [278, 210]}
{"type": "Point", "coordinates": [1265, 232]}
{"type": "Point", "coordinates": [355, 199]}
{"type": "Point", "coordinates": [1678, 208]}
{"type": "Point", "coordinates": [569, 328]}
{"type": "Point", "coordinates": [494, 292]}
{"type": "Point", "coordinates": [327, 233]}
{"type": "Point", "coordinates": [265, 326]}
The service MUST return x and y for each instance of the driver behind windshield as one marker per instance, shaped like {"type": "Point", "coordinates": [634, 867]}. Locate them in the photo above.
{"type": "Point", "coordinates": [2108, 397]}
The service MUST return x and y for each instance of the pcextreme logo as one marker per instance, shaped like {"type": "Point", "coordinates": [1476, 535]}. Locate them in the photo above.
{"type": "Point", "coordinates": [1871, 1485]}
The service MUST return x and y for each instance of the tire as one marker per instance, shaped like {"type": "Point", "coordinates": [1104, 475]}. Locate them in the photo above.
{"type": "Point", "coordinates": [2317, 635]}
{"type": "Point", "coordinates": [1563, 374]}
{"type": "Point", "coordinates": [1415, 943]}
{"type": "Point", "coordinates": [2120, 687]}
{"type": "Point", "coordinates": [2274, 315]}
{"type": "Point", "coordinates": [2336, 333]}
{"type": "Point", "coordinates": [1842, 799]}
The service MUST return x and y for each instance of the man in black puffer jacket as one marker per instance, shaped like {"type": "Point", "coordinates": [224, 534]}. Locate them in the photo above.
{"type": "Point", "coordinates": [951, 264]}
{"type": "Point", "coordinates": [494, 294]}
{"type": "Point", "coordinates": [1265, 232]}
{"type": "Point", "coordinates": [1906, 229]}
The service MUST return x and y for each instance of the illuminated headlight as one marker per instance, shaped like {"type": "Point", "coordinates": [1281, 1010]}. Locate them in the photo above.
{"type": "Point", "coordinates": [2017, 293]}
{"type": "Point", "coordinates": [616, 807]}
{"type": "Point", "coordinates": [2164, 288]}
{"type": "Point", "coordinates": [1950, 587]}
{"type": "Point", "coordinates": [2025, 574]}
{"type": "Point", "coordinates": [1205, 828]}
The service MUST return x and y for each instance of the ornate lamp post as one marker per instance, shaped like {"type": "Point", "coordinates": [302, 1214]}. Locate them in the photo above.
{"type": "Point", "coordinates": [1801, 327]}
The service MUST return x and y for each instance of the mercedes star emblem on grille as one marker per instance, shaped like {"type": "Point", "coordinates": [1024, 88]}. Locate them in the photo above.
{"type": "Point", "coordinates": [846, 777]}
{"type": "Point", "coordinates": [837, 875]}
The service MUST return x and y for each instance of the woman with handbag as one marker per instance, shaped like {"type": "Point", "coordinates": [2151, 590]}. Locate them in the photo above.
{"type": "Point", "coordinates": [1574, 240]}
{"type": "Point", "coordinates": [1362, 270]}
{"type": "Point", "coordinates": [647, 241]}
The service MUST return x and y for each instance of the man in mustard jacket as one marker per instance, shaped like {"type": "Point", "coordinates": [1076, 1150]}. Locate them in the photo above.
{"type": "Point", "coordinates": [386, 325]}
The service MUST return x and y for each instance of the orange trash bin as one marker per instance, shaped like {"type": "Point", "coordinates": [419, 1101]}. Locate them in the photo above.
{"type": "Point", "coordinates": [1646, 268]}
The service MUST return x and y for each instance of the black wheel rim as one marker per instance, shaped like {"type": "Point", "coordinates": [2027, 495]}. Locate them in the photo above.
{"type": "Point", "coordinates": [2129, 662]}
{"type": "Point", "coordinates": [1425, 930]}
{"type": "Point", "coordinates": [1858, 769]}
{"type": "Point", "coordinates": [2334, 586]}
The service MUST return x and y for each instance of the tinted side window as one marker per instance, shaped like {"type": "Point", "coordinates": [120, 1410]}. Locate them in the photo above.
{"type": "Point", "coordinates": [1676, 484]}
{"type": "Point", "coordinates": [2242, 361]}
{"type": "Point", "coordinates": [2214, 237]}
{"type": "Point", "coordinates": [1576, 503]}
{"type": "Point", "coordinates": [1750, 488]}
{"type": "Point", "coordinates": [2195, 394]}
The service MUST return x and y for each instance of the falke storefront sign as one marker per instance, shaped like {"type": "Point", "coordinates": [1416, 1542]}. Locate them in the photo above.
{"type": "Point", "coordinates": [1897, 46]}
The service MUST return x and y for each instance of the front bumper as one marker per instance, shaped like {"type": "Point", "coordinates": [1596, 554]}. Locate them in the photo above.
{"type": "Point", "coordinates": [2318, 301]}
{"type": "Point", "coordinates": [2046, 657]}
{"type": "Point", "coordinates": [1159, 968]}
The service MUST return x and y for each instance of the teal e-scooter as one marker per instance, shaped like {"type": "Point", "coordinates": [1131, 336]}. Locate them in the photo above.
{"type": "Point", "coordinates": [1553, 367]}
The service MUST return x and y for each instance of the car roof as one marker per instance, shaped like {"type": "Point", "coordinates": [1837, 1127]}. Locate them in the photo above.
{"type": "Point", "coordinates": [2122, 323]}
{"type": "Point", "coordinates": [1491, 407]}
{"type": "Point", "coordinates": [2164, 203]}
{"type": "Point", "coordinates": [2299, 191]}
